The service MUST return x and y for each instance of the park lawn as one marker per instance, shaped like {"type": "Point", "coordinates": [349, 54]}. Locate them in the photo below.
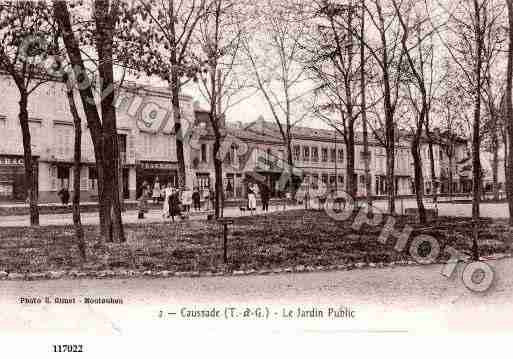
{"type": "Point", "coordinates": [278, 240]}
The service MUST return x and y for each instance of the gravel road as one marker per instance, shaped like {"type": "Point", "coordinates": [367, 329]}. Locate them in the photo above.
{"type": "Point", "coordinates": [412, 299]}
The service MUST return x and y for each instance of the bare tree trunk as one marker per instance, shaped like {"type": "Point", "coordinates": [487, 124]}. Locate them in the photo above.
{"type": "Point", "coordinates": [350, 156]}
{"type": "Point", "coordinates": [218, 172]}
{"type": "Point", "coordinates": [390, 143]}
{"type": "Point", "coordinates": [418, 178]}
{"type": "Point", "coordinates": [30, 179]}
{"type": "Point", "coordinates": [495, 167]}
{"type": "Point", "coordinates": [509, 111]}
{"type": "Point", "coordinates": [495, 162]}
{"type": "Point", "coordinates": [451, 175]}
{"type": "Point", "coordinates": [290, 165]}
{"type": "Point", "coordinates": [104, 44]}
{"type": "Point", "coordinates": [77, 154]}
{"type": "Point", "coordinates": [476, 140]}
{"type": "Point", "coordinates": [390, 160]}
{"type": "Point", "coordinates": [175, 98]}
{"type": "Point", "coordinates": [368, 186]}
{"type": "Point", "coordinates": [431, 162]}
{"type": "Point", "coordinates": [62, 16]}
{"type": "Point", "coordinates": [104, 200]}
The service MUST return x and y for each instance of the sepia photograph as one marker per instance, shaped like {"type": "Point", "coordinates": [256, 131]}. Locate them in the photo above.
{"type": "Point", "coordinates": [222, 173]}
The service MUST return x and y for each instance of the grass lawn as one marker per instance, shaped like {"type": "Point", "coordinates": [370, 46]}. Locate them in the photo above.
{"type": "Point", "coordinates": [285, 239]}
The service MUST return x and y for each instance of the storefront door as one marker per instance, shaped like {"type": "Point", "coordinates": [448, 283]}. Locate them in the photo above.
{"type": "Point", "coordinates": [149, 172]}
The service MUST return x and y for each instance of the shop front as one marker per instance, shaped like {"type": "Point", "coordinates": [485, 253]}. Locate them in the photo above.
{"type": "Point", "coordinates": [12, 178]}
{"type": "Point", "coordinates": [150, 171]}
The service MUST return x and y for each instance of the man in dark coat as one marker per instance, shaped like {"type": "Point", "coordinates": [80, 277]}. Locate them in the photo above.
{"type": "Point", "coordinates": [174, 205]}
{"type": "Point", "coordinates": [64, 195]}
{"type": "Point", "coordinates": [196, 199]}
{"type": "Point", "coordinates": [264, 196]}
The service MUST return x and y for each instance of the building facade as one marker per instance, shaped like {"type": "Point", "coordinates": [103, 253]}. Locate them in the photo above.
{"type": "Point", "coordinates": [319, 158]}
{"type": "Point", "coordinates": [145, 130]}
{"type": "Point", "coordinates": [248, 158]}
{"type": "Point", "coordinates": [253, 153]}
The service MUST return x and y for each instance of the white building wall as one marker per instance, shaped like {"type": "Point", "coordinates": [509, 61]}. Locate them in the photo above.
{"type": "Point", "coordinates": [52, 132]}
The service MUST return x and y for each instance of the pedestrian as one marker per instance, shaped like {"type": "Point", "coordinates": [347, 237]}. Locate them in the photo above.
{"type": "Point", "coordinates": [174, 204]}
{"type": "Point", "coordinates": [186, 199]}
{"type": "Point", "coordinates": [229, 189]}
{"type": "Point", "coordinates": [264, 196]}
{"type": "Point", "coordinates": [196, 199]}
{"type": "Point", "coordinates": [251, 200]}
{"type": "Point", "coordinates": [64, 195]}
{"type": "Point", "coordinates": [168, 191]}
{"type": "Point", "coordinates": [143, 200]}
{"type": "Point", "coordinates": [156, 191]}
{"type": "Point", "coordinates": [206, 197]}
{"type": "Point", "coordinates": [307, 197]}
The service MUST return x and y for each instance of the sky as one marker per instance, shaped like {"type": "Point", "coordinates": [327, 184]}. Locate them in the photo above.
{"type": "Point", "coordinates": [252, 108]}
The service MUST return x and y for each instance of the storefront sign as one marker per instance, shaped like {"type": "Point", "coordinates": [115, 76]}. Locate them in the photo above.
{"type": "Point", "coordinates": [157, 165]}
{"type": "Point", "coordinates": [11, 161]}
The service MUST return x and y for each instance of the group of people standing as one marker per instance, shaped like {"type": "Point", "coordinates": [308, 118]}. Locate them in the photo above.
{"type": "Point", "coordinates": [179, 200]}
{"type": "Point", "coordinates": [265, 196]}
{"type": "Point", "coordinates": [175, 200]}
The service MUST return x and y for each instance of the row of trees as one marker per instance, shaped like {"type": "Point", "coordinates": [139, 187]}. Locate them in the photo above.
{"type": "Point", "coordinates": [383, 67]}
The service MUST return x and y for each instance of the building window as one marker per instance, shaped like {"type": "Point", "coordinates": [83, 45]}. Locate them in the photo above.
{"type": "Point", "coordinates": [122, 147]}
{"type": "Point", "coordinates": [341, 179]}
{"type": "Point", "coordinates": [362, 156]}
{"type": "Point", "coordinates": [325, 178]}
{"type": "Point", "coordinates": [228, 159]}
{"type": "Point", "coordinates": [306, 180]}
{"type": "Point", "coordinates": [203, 152]}
{"type": "Point", "coordinates": [332, 179]}
{"type": "Point", "coordinates": [315, 180]}
{"type": "Point", "coordinates": [297, 153]}
{"type": "Point", "coordinates": [340, 155]}
{"type": "Point", "coordinates": [306, 154]}
{"type": "Point", "coordinates": [64, 140]}
{"type": "Point", "coordinates": [93, 178]}
{"type": "Point", "coordinates": [333, 155]}
{"type": "Point", "coordinates": [63, 176]}
{"type": "Point", "coordinates": [324, 153]}
{"type": "Point", "coordinates": [362, 179]}
{"type": "Point", "coordinates": [381, 185]}
{"type": "Point", "coordinates": [315, 154]}
{"type": "Point", "coordinates": [203, 181]}
{"type": "Point", "coordinates": [232, 156]}
{"type": "Point", "coordinates": [3, 121]}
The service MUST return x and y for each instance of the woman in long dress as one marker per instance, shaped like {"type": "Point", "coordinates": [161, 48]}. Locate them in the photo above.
{"type": "Point", "coordinates": [187, 199]}
{"type": "Point", "coordinates": [168, 191]}
{"type": "Point", "coordinates": [156, 191]}
{"type": "Point", "coordinates": [251, 200]}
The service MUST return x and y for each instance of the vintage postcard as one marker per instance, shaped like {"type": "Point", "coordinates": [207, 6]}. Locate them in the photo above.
{"type": "Point", "coordinates": [216, 174]}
